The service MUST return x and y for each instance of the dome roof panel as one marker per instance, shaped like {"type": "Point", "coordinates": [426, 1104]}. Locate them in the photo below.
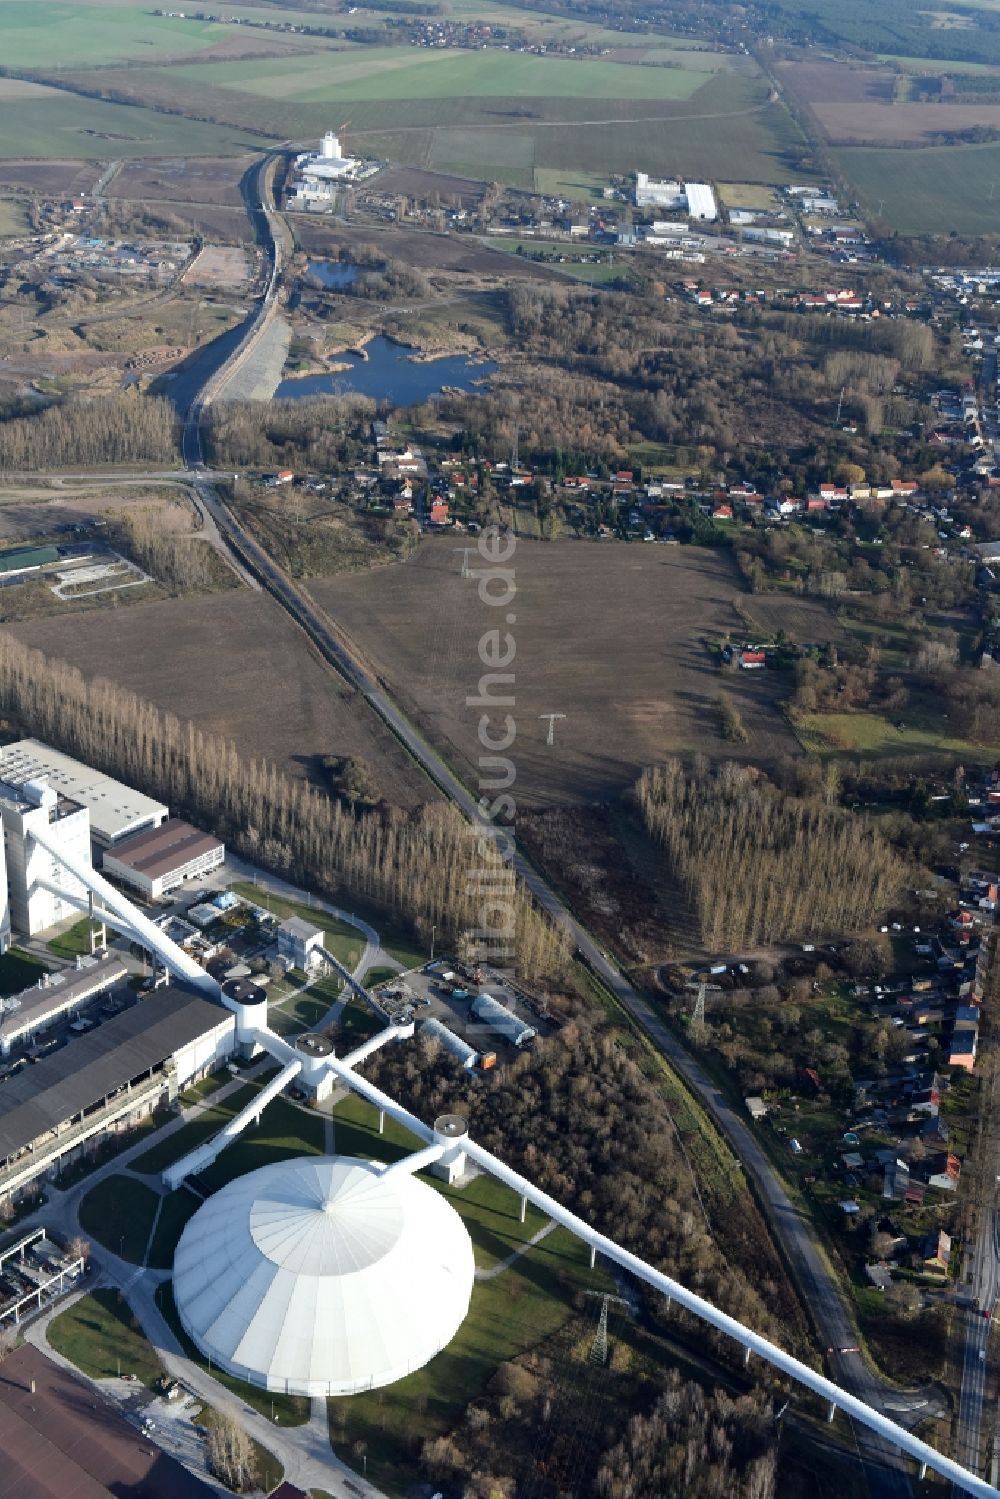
{"type": "Point", "coordinates": [323, 1276]}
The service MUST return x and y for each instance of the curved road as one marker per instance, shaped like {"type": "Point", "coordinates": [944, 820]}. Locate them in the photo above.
{"type": "Point", "coordinates": [830, 1311]}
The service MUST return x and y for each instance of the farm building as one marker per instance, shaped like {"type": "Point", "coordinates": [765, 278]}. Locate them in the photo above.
{"type": "Point", "coordinates": [159, 859]}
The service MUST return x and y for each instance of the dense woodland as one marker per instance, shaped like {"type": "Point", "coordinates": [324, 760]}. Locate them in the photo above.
{"type": "Point", "coordinates": [596, 374]}
{"type": "Point", "coordinates": [417, 865]}
{"type": "Point", "coordinates": [759, 866]}
{"type": "Point", "coordinates": [581, 1119]}
{"type": "Point", "coordinates": [124, 428]}
{"type": "Point", "coordinates": [323, 431]}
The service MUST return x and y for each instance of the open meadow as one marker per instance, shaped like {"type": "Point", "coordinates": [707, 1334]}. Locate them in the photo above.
{"type": "Point", "coordinates": [236, 665]}
{"type": "Point", "coordinates": [611, 636]}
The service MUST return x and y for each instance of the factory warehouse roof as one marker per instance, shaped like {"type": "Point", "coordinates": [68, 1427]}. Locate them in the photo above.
{"type": "Point", "coordinates": [90, 1067]}
{"type": "Point", "coordinates": [323, 1276]}
{"type": "Point", "coordinates": [158, 851]}
{"type": "Point", "coordinates": [115, 810]}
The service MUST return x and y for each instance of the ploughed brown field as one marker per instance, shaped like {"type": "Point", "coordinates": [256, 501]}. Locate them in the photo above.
{"type": "Point", "coordinates": [235, 665]}
{"type": "Point", "coordinates": [610, 635]}
{"type": "Point", "coordinates": [421, 250]}
{"type": "Point", "coordinates": [185, 180]}
{"type": "Point", "coordinates": [857, 105]}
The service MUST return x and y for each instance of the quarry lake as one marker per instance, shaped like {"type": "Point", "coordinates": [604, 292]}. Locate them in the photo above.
{"type": "Point", "coordinates": [333, 274]}
{"type": "Point", "coordinates": [391, 374]}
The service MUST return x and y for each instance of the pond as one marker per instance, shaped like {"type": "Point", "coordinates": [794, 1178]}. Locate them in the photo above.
{"type": "Point", "coordinates": [390, 374]}
{"type": "Point", "coordinates": [333, 274]}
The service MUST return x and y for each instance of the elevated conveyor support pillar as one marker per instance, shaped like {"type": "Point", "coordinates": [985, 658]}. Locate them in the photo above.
{"type": "Point", "coordinates": [204, 1155]}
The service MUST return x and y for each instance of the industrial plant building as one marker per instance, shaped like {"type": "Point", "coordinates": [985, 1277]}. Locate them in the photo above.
{"type": "Point", "coordinates": [36, 889]}
{"type": "Point", "coordinates": [316, 175]}
{"type": "Point", "coordinates": [324, 1276]}
{"type": "Point", "coordinates": [300, 944]}
{"type": "Point", "coordinates": [161, 858]}
{"type": "Point", "coordinates": [116, 811]}
{"type": "Point", "coordinates": [30, 1014]}
{"type": "Point", "coordinates": [107, 1080]}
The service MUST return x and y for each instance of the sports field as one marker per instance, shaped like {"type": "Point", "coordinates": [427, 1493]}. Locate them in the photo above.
{"type": "Point", "coordinates": [928, 191]}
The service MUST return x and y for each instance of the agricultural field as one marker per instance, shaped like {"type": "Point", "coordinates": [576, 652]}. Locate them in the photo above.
{"type": "Point", "coordinates": [82, 32]}
{"type": "Point", "coordinates": [930, 191]}
{"type": "Point", "coordinates": [628, 670]}
{"type": "Point", "coordinates": [372, 74]}
{"type": "Point", "coordinates": [235, 664]}
{"type": "Point", "coordinates": [869, 105]}
{"type": "Point", "coordinates": [487, 114]}
{"type": "Point", "coordinates": [52, 123]}
{"type": "Point", "coordinates": [214, 180]}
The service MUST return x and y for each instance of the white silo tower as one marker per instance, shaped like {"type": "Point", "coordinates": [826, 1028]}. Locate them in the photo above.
{"type": "Point", "coordinates": [330, 148]}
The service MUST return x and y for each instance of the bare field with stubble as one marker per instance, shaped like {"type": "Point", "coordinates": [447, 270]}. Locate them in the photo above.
{"type": "Point", "coordinates": [612, 636]}
{"type": "Point", "coordinates": [235, 665]}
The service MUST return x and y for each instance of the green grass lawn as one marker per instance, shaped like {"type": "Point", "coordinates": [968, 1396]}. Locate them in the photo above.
{"type": "Point", "coordinates": [76, 939]}
{"type": "Point", "coordinates": [194, 1133]}
{"type": "Point", "coordinates": [874, 734]}
{"type": "Point", "coordinates": [517, 1311]}
{"type": "Point", "coordinates": [289, 1410]}
{"type": "Point", "coordinates": [19, 970]}
{"type": "Point", "coordinates": [13, 218]}
{"type": "Point", "coordinates": [99, 1334]}
{"type": "Point", "coordinates": [175, 1211]}
{"type": "Point", "coordinates": [119, 1214]}
{"type": "Point", "coordinates": [284, 1131]}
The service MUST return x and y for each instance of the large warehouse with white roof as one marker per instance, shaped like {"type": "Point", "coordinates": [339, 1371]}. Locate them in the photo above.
{"type": "Point", "coordinates": [116, 811]}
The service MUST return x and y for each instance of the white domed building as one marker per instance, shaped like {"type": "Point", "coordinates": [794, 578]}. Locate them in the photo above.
{"type": "Point", "coordinates": [323, 1275]}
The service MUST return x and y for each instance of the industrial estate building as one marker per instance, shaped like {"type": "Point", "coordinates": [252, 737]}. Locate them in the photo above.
{"type": "Point", "coordinates": [161, 858]}
{"type": "Point", "coordinates": [300, 943]}
{"type": "Point", "coordinates": [116, 811]}
{"type": "Point", "coordinates": [694, 198]}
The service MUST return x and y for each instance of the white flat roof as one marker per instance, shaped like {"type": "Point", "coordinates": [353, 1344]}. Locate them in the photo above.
{"type": "Point", "coordinates": [114, 809]}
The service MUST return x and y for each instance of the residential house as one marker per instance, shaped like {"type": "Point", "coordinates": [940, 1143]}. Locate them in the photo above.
{"type": "Point", "coordinates": [936, 1252]}
{"type": "Point", "coordinates": [752, 660]}
{"type": "Point", "coordinates": [943, 1171]}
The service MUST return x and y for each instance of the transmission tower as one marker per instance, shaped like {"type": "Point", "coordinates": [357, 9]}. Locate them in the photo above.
{"type": "Point", "coordinates": [699, 1004]}
{"type": "Point", "coordinates": [514, 453]}
{"type": "Point", "coordinates": [599, 1347]}
{"type": "Point", "coordinates": [840, 403]}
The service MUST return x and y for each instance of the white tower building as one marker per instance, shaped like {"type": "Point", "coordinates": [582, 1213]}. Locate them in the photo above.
{"type": "Point", "coordinates": [330, 149]}
{"type": "Point", "coordinates": [34, 876]}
